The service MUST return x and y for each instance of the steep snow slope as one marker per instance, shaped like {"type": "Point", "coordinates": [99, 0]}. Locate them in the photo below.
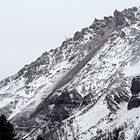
{"type": "Point", "coordinates": [103, 83]}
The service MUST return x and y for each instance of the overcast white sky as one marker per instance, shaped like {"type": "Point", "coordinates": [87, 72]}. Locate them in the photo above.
{"type": "Point", "coordinates": [30, 27]}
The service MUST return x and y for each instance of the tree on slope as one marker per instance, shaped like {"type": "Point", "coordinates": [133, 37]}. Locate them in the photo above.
{"type": "Point", "coordinates": [6, 129]}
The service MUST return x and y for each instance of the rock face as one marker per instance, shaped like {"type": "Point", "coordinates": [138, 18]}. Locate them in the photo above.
{"type": "Point", "coordinates": [130, 14]}
{"type": "Point", "coordinates": [135, 88]}
{"type": "Point", "coordinates": [134, 101]}
{"type": "Point", "coordinates": [87, 99]}
{"type": "Point", "coordinates": [77, 36]}
{"type": "Point", "coordinates": [64, 105]}
{"type": "Point", "coordinates": [119, 18]}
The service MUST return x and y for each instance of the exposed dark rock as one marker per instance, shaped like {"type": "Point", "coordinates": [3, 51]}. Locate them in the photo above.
{"type": "Point", "coordinates": [120, 95]}
{"type": "Point", "coordinates": [66, 42]}
{"type": "Point", "coordinates": [59, 114]}
{"type": "Point", "coordinates": [137, 38]}
{"type": "Point", "coordinates": [130, 15]}
{"type": "Point", "coordinates": [77, 36]}
{"type": "Point", "coordinates": [113, 38]}
{"type": "Point", "coordinates": [111, 104]}
{"type": "Point", "coordinates": [55, 133]}
{"type": "Point", "coordinates": [115, 97]}
{"type": "Point", "coordinates": [39, 138]}
{"type": "Point", "coordinates": [53, 99]}
{"type": "Point", "coordinates": [134, 102]}
{"type": "Point", "coordinates": [108, 19]}
{"type": "Point", "coordinates": [30, 72]}
{"type": "Point", "coordinates": [135, 88]}
{"type": "Point", "coordinates": [64, 105]}
{"type": "Point", "coordinates": [122, 35]}
{"type": "Point", "coordinates": [4, 82]}
{"type": "Point", "coordinates": [71, 58]}
{"type": "Point", "coordinates": [87, 99]}
{"type": "Point", "coordinates": [119, 18]}
{"type": "Point", "coordinates": [135, 9]}
{"type": "Point", "coordinates": [99, 25]}
{"type": "Point", "coordinates": [83, 32]}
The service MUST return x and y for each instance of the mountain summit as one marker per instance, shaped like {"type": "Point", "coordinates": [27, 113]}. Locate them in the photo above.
{"type": "Point", "coordinates": [82, 90]}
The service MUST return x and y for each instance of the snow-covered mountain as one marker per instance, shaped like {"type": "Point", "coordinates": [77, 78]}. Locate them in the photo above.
{"type": "Point", "coordinates": [81, 90]}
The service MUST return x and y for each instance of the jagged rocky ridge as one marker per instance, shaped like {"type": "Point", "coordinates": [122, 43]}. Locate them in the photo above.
{"type": "Point", "coordinates": [80, 90]}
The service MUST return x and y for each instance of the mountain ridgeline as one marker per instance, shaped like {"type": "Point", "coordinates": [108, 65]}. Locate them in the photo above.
{"type": "Point", "coordinates": [86, 89]}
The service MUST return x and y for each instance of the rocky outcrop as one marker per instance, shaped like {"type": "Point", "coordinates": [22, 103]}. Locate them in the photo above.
{"type": "Point", "coordinates": [119, 18]}
{"type": "Point", "coordinates": [129, 14]}
{"type": "Point", "coordinates": [135, 88]}
{"type": "Point", "coordinates": [99, 26]}
{"type": "Point", "coordinates": [77, 36]}
{"type": "Point", "coordinates": [122, 34]}
{"type": "Point", "coordinates": [64, 105]}
{"type": "Point", "coordinates": [87, 99]}
{"type": "Point", "coordinates": [134, 101]}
